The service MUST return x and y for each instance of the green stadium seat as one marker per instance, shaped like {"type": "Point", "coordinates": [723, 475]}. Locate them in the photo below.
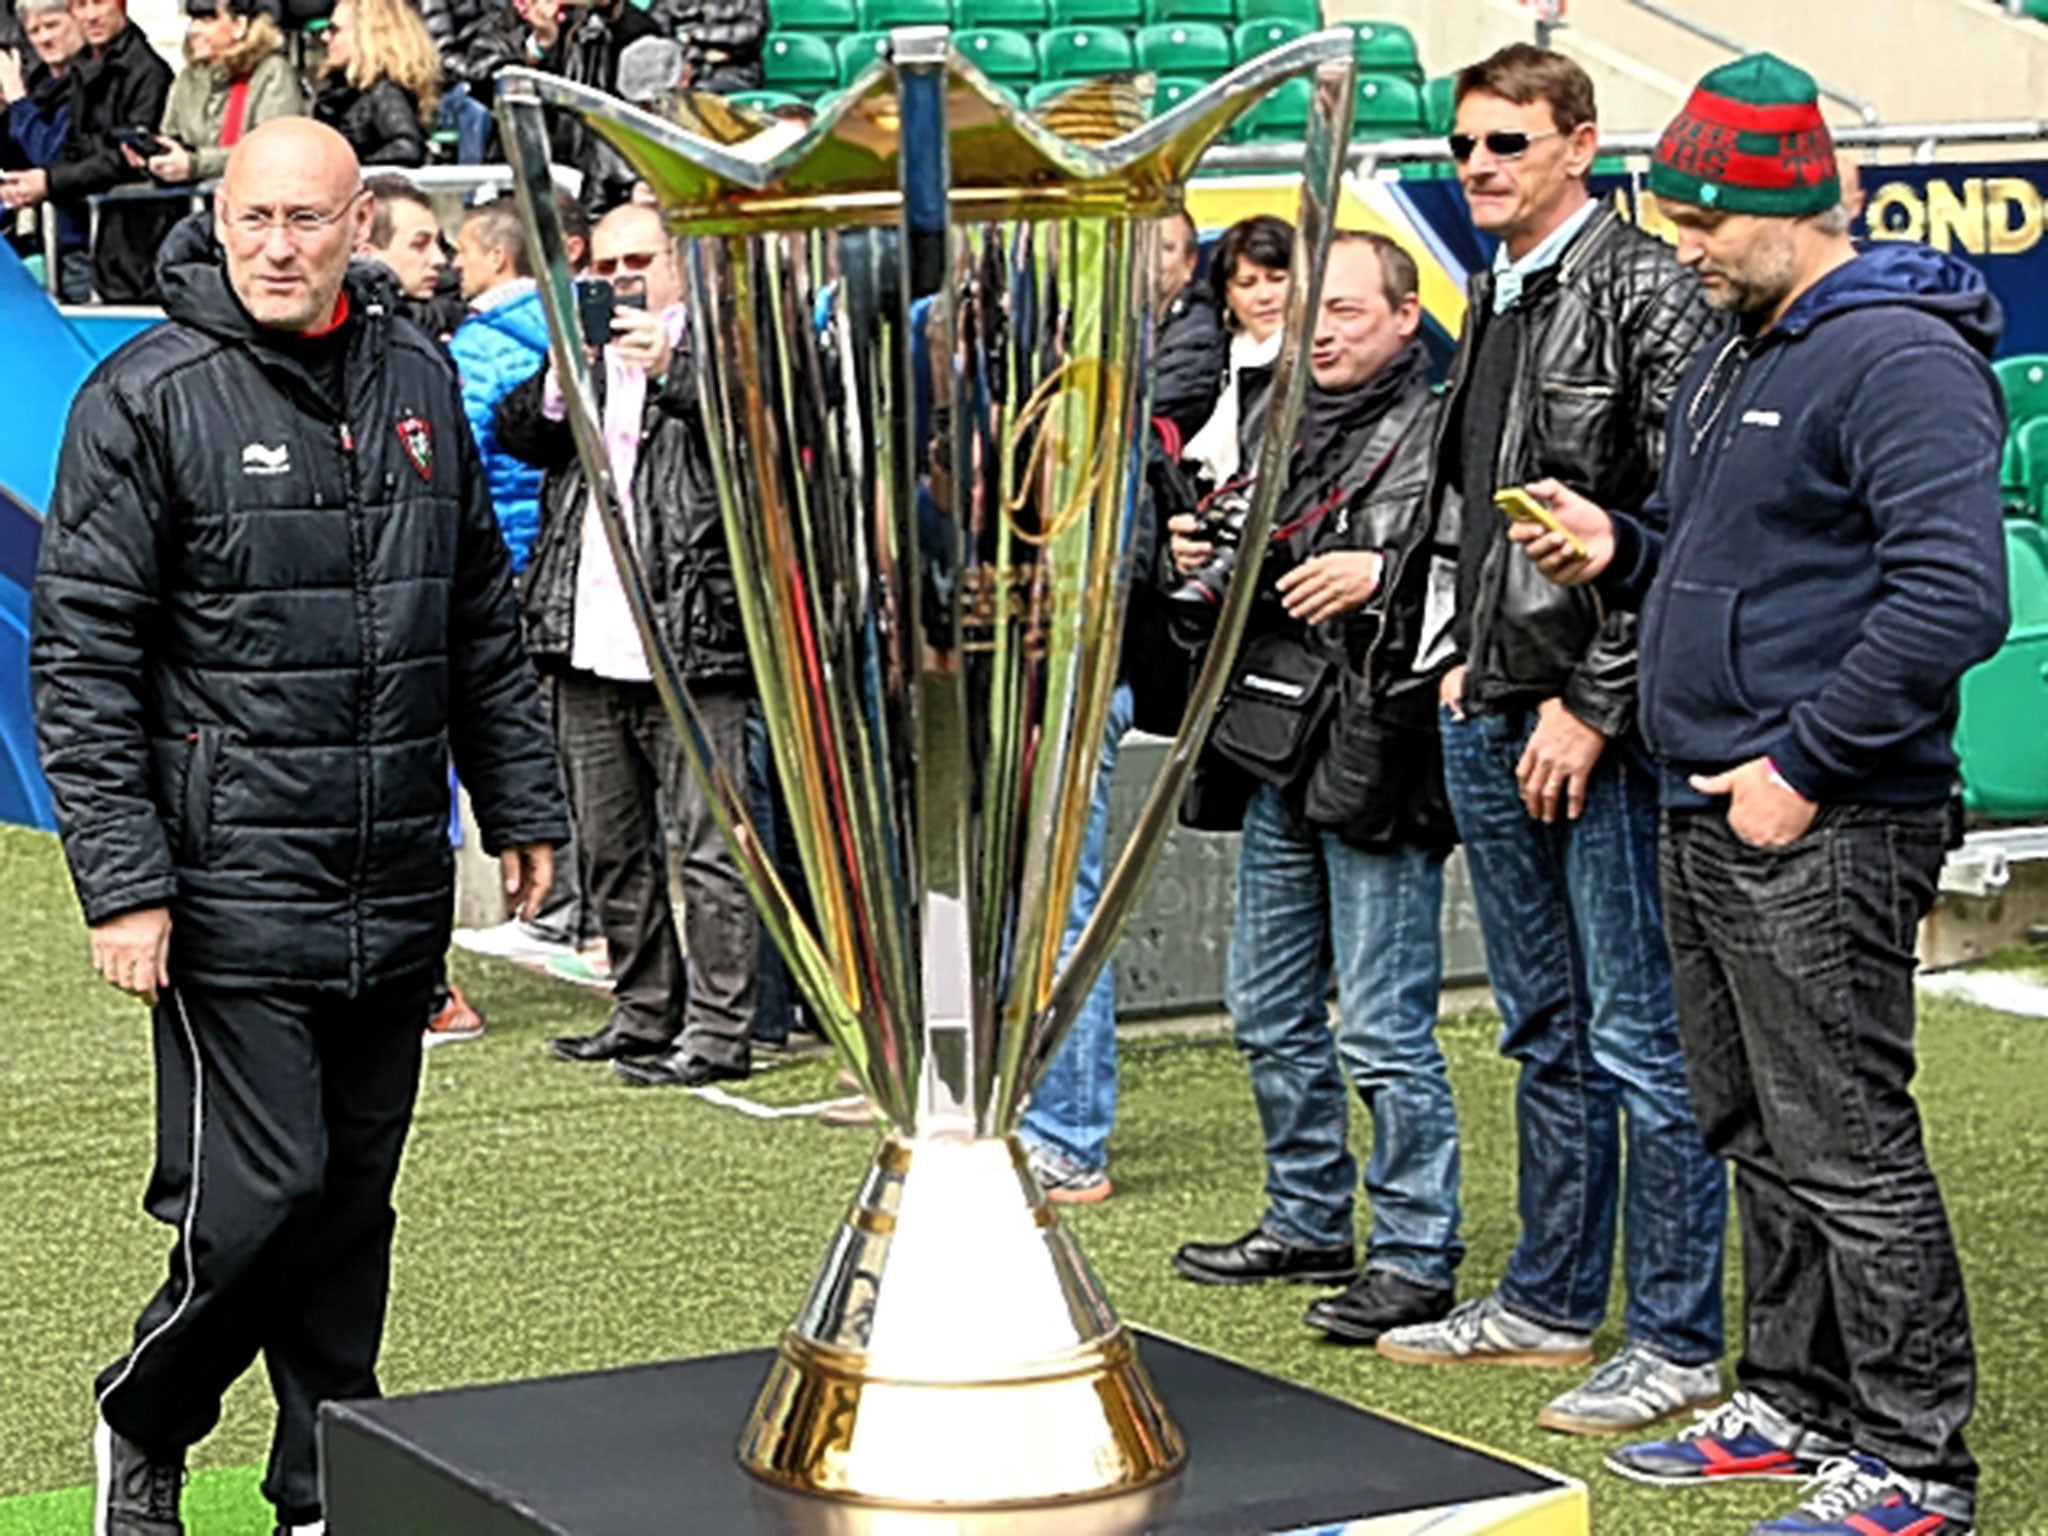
{"type": "Point", "coordinates": [1098, 13]}
{"type": "Point", "coordinates": [1184, 48]}
{"type": "Point", "coordinates": [834, 16]}
{"type": "Point", "coordinates": [881, 15]}
{"type": "Point", "coordinates": [2030, 453]}
{"type": "Point", "coordinates": [1173, 90]}
{"type": "Point", "coordinates": [1999, 738]}
{"type": "Point", "coordinates": [1027, 16]}
{"type": "Point", "coordinates": [1253, 38]}
{"type": "Point", "coordinates": [1308, 12]}
{"type": "Point", "coordinates": [798, 61]}
{"type": "Point", "coordinates": [2024, 381]}
{"type": "Point", "coordinates": [1386, 48]}
{"type": "Point", "coordinates": [999, 53]}
{"type": "Point", "coordinates": [1440, 103]}
{"type": "Point", "coordinates": [1044, 91]}
{"type": "Point", "coordinates": [1080, 53]}
{"type": "Point", "coordinates": [1221, 12]}
{"type": "Point", "coordinates": [856, 52]}
{"type": "Point", "coordinates": [1282, 116]}
{"type": "Point", "coordinates": [768, 101]}
{"type": "Point", "coordinates": [1386, 107]}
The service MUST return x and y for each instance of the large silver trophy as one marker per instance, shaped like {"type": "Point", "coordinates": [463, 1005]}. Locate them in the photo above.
{"type": "Point", "coordinates": [922, 337]}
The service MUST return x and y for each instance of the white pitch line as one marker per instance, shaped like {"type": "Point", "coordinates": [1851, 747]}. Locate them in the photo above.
{"type": "Point", "coordinates": [754, 1111]}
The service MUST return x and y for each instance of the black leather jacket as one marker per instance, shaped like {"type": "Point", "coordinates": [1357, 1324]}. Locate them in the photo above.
{"type": "Point", "coordinates": [1374, 484]}
{"type": "Point", "coordinates": [382, 124]}
{"type": "Point", "coordinates": [677, 529]}
{"type": "Point", "coordinates": [1607, 333]}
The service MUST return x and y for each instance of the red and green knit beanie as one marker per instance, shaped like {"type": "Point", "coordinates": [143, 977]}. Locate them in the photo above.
{"type": "Point", "coordinates": [1751, 140]}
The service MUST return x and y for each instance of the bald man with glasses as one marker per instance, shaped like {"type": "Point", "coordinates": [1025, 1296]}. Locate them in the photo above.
{"type": "Point", "coordinates": [273, 602]}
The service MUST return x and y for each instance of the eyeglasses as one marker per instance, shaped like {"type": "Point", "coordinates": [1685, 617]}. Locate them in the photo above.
{"type": "Point", "coordinates": [299, 223]}
{"type": "Point", "coordinates": [633, 261]}
{"type": "Point", "coordinates": [1502, 143]}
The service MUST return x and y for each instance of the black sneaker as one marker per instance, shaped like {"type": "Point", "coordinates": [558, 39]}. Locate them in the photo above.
{"type": "Point", "coordinates": [1381, 1300]}
{"type": "Point", "coordinates": [134, 1494]}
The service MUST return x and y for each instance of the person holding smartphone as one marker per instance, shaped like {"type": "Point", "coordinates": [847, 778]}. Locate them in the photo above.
{"type": "Point", "coordinates": [235, 78]}
{"type": "Point", "coordinates": [618, 746]}
{"type": "Point", "coordinates": [1575, 338]}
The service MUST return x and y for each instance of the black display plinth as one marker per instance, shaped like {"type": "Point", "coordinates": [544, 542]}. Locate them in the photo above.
{"type": "Point", "coordinates": [649, 1452]}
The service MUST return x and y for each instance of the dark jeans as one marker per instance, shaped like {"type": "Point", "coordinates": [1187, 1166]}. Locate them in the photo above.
{"type": "Point", "coordinates": [561, 915]}
{"type": "Point", "coordinates": [280, 1121]}
{"type": "Point", "coordinates": [1795, 991]}
{"type": "Point", "coordinates": [1575, 951]}
{"type": "Point", "coordinates": [623, 757]}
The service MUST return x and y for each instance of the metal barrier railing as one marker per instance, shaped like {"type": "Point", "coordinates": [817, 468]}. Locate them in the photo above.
{"type": "Point", "coordinates": [1365, 158]}
{"type": "Point", "coordinates": [466, 180]}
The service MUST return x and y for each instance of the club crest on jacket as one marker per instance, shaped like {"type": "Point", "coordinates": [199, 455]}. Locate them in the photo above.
{"type": "Point", "coordinates": [418, 437]}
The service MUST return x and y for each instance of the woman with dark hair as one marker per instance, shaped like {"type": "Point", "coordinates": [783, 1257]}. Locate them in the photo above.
{"type": "Point", "coordinates": [1250, 276]}
{"type": "Point", "coordinates": [235, 77]}
{"type": "Point", "coordinates": [381, 81]}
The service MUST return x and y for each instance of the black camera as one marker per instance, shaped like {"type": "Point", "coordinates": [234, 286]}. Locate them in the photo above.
{"type": "Point", "coordinates": [1220, 520]}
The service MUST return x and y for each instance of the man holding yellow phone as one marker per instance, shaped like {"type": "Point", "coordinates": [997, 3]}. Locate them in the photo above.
{"type": "Point", "coordinates": [1574, 342]}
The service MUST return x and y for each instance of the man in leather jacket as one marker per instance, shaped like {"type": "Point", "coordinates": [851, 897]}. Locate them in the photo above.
{"type": "Point", "coordinates": [1574, 343]}
{"type": "Point", "coordinates": [1341, 862]}
{"type": "Point", "coordinates": [272, 603]}
{"type": "Point", "coordinates": [621, 750]}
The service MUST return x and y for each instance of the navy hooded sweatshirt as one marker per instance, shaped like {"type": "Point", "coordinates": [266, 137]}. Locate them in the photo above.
{"type": "Point", "coordinates": [1823, 558]}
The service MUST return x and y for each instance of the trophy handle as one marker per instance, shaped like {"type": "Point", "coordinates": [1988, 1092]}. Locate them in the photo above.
{"type": "Point", "coordinates": [524, 127]}
{"type": "Point", "coordinates": [1322, 178]}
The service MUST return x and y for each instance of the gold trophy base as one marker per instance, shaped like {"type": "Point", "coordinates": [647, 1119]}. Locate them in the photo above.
{"type": "Point", "coordinates": [956, 1351]}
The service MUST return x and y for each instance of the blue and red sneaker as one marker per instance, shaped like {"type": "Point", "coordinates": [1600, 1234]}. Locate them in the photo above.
{"type": "Point", "coordinates": [1744, 1438]}
{"type": "Point", "coordinates": [1859, 1496]}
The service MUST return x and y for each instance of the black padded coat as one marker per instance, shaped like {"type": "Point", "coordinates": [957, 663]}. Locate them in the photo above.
{"type": "Point", "coordinates": [263, 620]}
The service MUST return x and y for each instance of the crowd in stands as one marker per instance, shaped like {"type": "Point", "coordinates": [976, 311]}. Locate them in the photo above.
{"type": "Point", "coordinates": [91, 108]}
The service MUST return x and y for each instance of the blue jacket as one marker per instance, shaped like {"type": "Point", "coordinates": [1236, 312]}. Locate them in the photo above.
{"type": "Point", "coordinates": [31, 134]}
{"type": "Point", "coordinates": [1823, 558]}
{"type": "Point", "coordinates": [495, 350]}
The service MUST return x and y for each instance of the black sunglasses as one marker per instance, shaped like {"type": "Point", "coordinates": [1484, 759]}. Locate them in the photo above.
{"type": "Point", "coordinates": [1502, 144]}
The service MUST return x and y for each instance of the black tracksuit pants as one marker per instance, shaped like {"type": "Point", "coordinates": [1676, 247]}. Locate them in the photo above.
{"type": "Point", "coordinates": [280, 1120]}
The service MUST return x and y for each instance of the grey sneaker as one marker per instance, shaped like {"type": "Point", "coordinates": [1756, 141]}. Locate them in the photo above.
{"type": "Point", "coordinates": [1066, 1182]}
{"type": "Point", "coordinates": [1635, 1389]}
{"type": "Point", "coordinates": [1485, 1332]}
{"type": "Point", "coordinates": [134, 1494]}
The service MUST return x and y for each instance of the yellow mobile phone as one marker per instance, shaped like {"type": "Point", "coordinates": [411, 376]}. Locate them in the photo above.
{"type": "Point", "coordinates": [1519, 506]}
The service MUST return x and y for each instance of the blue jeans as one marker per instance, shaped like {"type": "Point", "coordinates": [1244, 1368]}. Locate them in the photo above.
{"type": "Point", "coordinates": [1576, 954]}
{"type": "Point", "coordinates": [1304, 898]}
{"type": "Point", "coordinates": [1073, 1108]}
